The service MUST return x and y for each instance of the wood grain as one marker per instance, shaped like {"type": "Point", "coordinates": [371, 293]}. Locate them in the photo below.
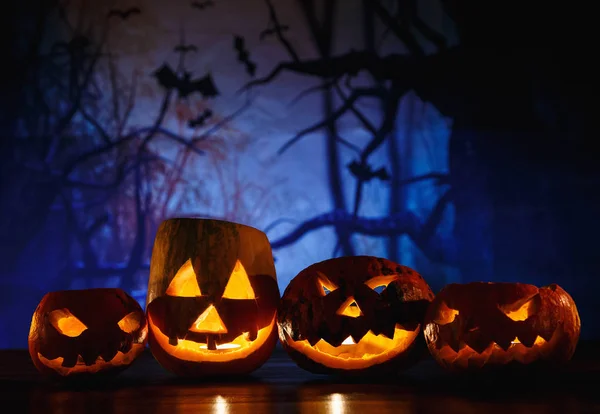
{"type": "Point", "coordinates": [281, 387]}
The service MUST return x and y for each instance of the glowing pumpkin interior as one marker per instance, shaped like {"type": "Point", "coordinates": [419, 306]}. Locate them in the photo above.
{"type": "Point", "coordinates": [505, 323]}
{"type": "Point", "coordinates": [79, 332]}
{"type": "Point", "coordinates": [494, 353]}
{"type": "Point", "coordinates": [370, 349]}
{"type": "Point", "coordinates": [69, 325]}
{"type": "Point", "coordinates": [210, 323]}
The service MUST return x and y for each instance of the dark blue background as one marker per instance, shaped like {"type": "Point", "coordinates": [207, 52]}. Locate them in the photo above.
{"type": "Point", "coordinates": [521, 177]}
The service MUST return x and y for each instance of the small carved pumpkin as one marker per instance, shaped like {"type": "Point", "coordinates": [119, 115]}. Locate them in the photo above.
{"type": "Point", "coordinates": [212, 297]}
{"type": "Point", "coordinates": [484, 325]}
{"type": "Point", "coordinates": [77, 333]}
{"type": "Point", "coordinates": [354, 315]}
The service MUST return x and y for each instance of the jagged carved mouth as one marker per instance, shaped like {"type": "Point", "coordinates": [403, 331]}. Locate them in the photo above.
{"type": "Point", "coordinates": [211, 344]}
{"type": "Point", "coordinates": [371, 349]}
{"type": "Point", "coordinates": [99, 364]}
{"type": "Point", "coordinates": [466, 356]}
{"type": "Point", "coordinates": [211, 350]}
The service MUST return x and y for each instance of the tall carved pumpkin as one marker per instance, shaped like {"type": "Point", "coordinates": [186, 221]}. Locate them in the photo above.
{"type": "Point", "coordinates": [488, 325]}
{"type": "Point", "coordinates": [77, 333]}
{"type": "Point", "coordinates": [212, 297]}
{"type": "Point", "coordinates": [354, 315]}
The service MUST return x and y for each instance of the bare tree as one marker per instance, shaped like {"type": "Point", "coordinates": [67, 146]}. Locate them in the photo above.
{"type": "Point", "coordinates": [74, 147]}
{"type": "Point", "coordinates": [392, 77]}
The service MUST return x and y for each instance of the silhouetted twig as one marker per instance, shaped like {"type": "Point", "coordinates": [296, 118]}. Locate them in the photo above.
{"type": "Point", "coordinates": [422, 232]}
{"type": "Point", "coordinates": [356, 94]}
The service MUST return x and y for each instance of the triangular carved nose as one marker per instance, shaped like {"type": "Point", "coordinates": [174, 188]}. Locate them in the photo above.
{"type": "Point", "coordinates": [350, 308]}
{"type": "Point", "coordinates": [209, 322]}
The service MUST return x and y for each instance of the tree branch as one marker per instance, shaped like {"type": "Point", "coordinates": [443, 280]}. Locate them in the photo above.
{"type": "Point", "coordinates": [64, 121]}
{"type": "Point", "coordinates": [277, 27]}
{"type": "Point", "coordinates": [356, 94]}
{"type": "Point", "coordinates": [121, 174]}
{"type": "Point", "coordinates": [363, 119]}
{"type": "Point", "coordinates": [441, 178]}
{"type": "Point", "coordinates": [403, 33]}
{"type": "Point", "coordinates": [101, 131]}
{"type": "Point", "coordinates": [393, 66]}
{"type": "Point", "coordinates": [123, 140]}
{"type": "Point", "coordinates": [321, 87]}
{"type": "Point", "coordinates": [423, 234]}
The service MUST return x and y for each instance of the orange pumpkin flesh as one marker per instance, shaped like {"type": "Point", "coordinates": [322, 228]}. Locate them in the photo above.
{"type": "Point", "coordinates": [354, 315]}
{"type": "Point", "coordinates": [78, 333]}
{"type": "Point", "coordinates": [212, 298]}
{"type": "Point", "coordinates": [479, 325]}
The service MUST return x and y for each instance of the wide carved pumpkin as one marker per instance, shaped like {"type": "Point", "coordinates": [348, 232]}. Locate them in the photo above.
{"type": "Point", "coordinates": [77, 333]}
{"type": "Point", "coordinates": [354, 315]}
{"type": "Point", "coordinates": [480, 325]}
{"type": "Point", "coordinates": [212, 297]}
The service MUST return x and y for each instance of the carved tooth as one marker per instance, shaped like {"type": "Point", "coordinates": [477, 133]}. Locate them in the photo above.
{"type": "Point", "coordinates": [503, 343]}
{"type": "Point", "coordinates": [125, 347]}
{"type": "Point", "coordinates": [89, 359]}
{"type": "Point", "coordinates": [527, 338]}
{"type": "Point", "coordinates": [387, 330]}
{"type": "Point", "coordinates": [454, 344]}
{"type": "Point", "coordinates": [252, 334]}
{"type": "Point", "coordinates": [211, 344]}
{"type": "Point", "coordinates": [174, 341]}
{"type": "Point", "coordinates": [70, 361]}
{"type": "Point", "coordinates": [312, 340]}
{"type": "Point", "coordinates": [478, 343]}
{"type": "Point", "coordinates": [108, 355]}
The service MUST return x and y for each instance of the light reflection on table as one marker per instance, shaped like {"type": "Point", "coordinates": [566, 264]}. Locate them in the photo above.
{"type": "Point", "coordinates": [336, 404]}
{"type": "Point", "coordinates": [220, 405]}
{"type": "Point", "coordinates": [282, 387]}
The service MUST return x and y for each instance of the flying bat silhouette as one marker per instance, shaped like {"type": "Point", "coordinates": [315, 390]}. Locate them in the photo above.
{"type": "Point", "coordinates": [364, 172]}
{"type": "Point", "coordinates": [202, 4]}
{"type": "Point", "coordinates": [185, 85]}
{"type": "Point", "coordinates": [239, 44]}
{"type": "Point", "coordinates": [200, 119]}
{"type": "Point", "coordinates": [185, 48]}
{"type": "Point", "coordinates": [272, 30]}
{"type": "Point", "coordinates": [124, 14]}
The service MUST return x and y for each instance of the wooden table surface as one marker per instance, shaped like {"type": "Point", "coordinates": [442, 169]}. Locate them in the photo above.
{"type": "Point", "coordinates": [281, 387]}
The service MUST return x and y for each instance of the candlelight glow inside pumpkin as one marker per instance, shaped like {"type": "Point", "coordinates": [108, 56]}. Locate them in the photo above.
{"type": "Point", "coordinates": [215, 314]}
{"type": "Point", "coordinates": [480, 325]}
{"type": "Point", "coordinates": [82, 332]}
{"type": "Point", "coordinates": [209, 322]}
{"type": "Point", "coordinates": [352, 314]}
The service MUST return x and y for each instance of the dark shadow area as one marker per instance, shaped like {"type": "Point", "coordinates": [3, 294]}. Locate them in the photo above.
{"type": "Point", "coordinates": [281, 386]}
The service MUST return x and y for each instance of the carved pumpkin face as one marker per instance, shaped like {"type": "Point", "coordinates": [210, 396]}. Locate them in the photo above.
{"type": "Point", "coordinates": [477, 325]}
{"type": "Point", "coordinates": [82, 332]}
{"type": "Point", "coordinates": [212, 297]}
{"type": "Point", "coordinates": [354, 315]}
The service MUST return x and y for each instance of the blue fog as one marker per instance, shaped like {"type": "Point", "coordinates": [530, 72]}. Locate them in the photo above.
{"type": "Point", "coordinates": [94, 164]}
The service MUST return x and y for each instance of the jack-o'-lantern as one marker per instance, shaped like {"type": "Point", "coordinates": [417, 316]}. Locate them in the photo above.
{"type": "Point", "coordinates": [358, 314]}
{"type": "Point", "coordinates": [77, 333]}
{"type": "Point", "coordinates": [480, 325]}
{"type": "Point", "coordinates": [212, 297]}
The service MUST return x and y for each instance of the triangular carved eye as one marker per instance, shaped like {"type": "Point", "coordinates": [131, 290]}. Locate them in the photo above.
{"type": "Point", "coordinates": [66, 323]}
{"type": "Point", "coordinates": [325, 285]}
{"type": "Point", "coordinates": [184, 284]}
{"type": "Point", "coordinates": [239, 286]}
{"type": "Point", "coordinates": [131, 322]}
{"type": "Point", "coordinates": [445, 314]}
{"type": "Point", "coordinates": [520, 311]}
{"type": "Point", "coordinates": [379, 283]}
